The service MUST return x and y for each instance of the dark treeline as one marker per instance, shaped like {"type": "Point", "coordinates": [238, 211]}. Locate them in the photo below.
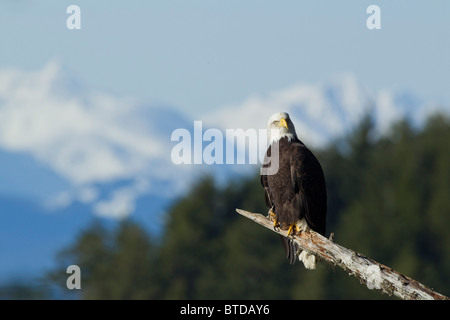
{"type": "Point", "coordinates": [388, 198]}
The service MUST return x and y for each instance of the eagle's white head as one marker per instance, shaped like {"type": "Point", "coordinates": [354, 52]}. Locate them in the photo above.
{"type": "Point", "coordinates": [279, 126]}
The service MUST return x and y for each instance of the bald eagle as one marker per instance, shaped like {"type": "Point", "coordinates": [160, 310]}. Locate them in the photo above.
{"type": "Point", "coordinates": [295, 193]}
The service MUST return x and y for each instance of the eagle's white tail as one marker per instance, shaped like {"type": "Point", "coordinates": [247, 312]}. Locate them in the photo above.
{"type": "Point", "coordinates": [309, 260]}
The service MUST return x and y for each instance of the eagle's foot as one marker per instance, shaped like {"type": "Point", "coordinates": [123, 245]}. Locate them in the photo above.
{"type": "Point", "coordinates": [273, 217]}
{"type": "Point", "coordinates": [276, 225]}
{"type": "Point", "coordinates": [293, 229]}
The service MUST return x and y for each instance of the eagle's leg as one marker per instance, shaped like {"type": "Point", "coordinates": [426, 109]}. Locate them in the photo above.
{"type": "Point", "coordinates": [275, 223]}
{"type": "Point", "coordinates": [294, 229]}
{"type": "Point", "coordinates": [273, 217]}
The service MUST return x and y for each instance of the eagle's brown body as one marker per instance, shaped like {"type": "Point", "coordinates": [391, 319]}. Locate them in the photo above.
{"type": "Point", "coordinates": [297, 191]}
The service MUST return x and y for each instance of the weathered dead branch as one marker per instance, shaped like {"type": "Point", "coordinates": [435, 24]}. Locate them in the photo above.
{"type": "Point", "coordinates": [370, 273]}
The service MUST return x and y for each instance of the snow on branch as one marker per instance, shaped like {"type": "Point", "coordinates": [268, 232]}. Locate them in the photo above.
{"type": "Point", "coordinates": [370, 273]}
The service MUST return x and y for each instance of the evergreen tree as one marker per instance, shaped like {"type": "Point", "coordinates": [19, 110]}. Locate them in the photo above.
{"type": "Point", "coordinates": [115, 263]}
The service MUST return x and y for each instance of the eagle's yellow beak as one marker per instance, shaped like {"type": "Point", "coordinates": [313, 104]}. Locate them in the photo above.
{"type": "Point", "coordinates": [283, 123]}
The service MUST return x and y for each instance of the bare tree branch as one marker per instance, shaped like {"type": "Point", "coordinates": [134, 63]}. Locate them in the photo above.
{"type": "Point", "coordinates": [371, 273]}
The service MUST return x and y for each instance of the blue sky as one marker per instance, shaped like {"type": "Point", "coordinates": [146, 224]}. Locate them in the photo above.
{"type": "Point", "coordinates": [199, 55]}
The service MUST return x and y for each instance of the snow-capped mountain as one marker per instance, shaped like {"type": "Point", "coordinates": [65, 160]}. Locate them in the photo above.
{"type": "Point", "coordinates": [85, 138]}
{"type": "Point", "coordinates": [324, 111]}
{"type": "Point", "coordinates": [71, 142]}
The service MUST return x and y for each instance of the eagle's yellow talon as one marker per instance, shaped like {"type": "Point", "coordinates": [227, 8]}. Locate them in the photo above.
{"type": "Point", "coordinates": [294, 229]}
{"type": "Point", "coordinates": [290, 229]}
{"type": "Point", "coordinates": [273, 217]}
